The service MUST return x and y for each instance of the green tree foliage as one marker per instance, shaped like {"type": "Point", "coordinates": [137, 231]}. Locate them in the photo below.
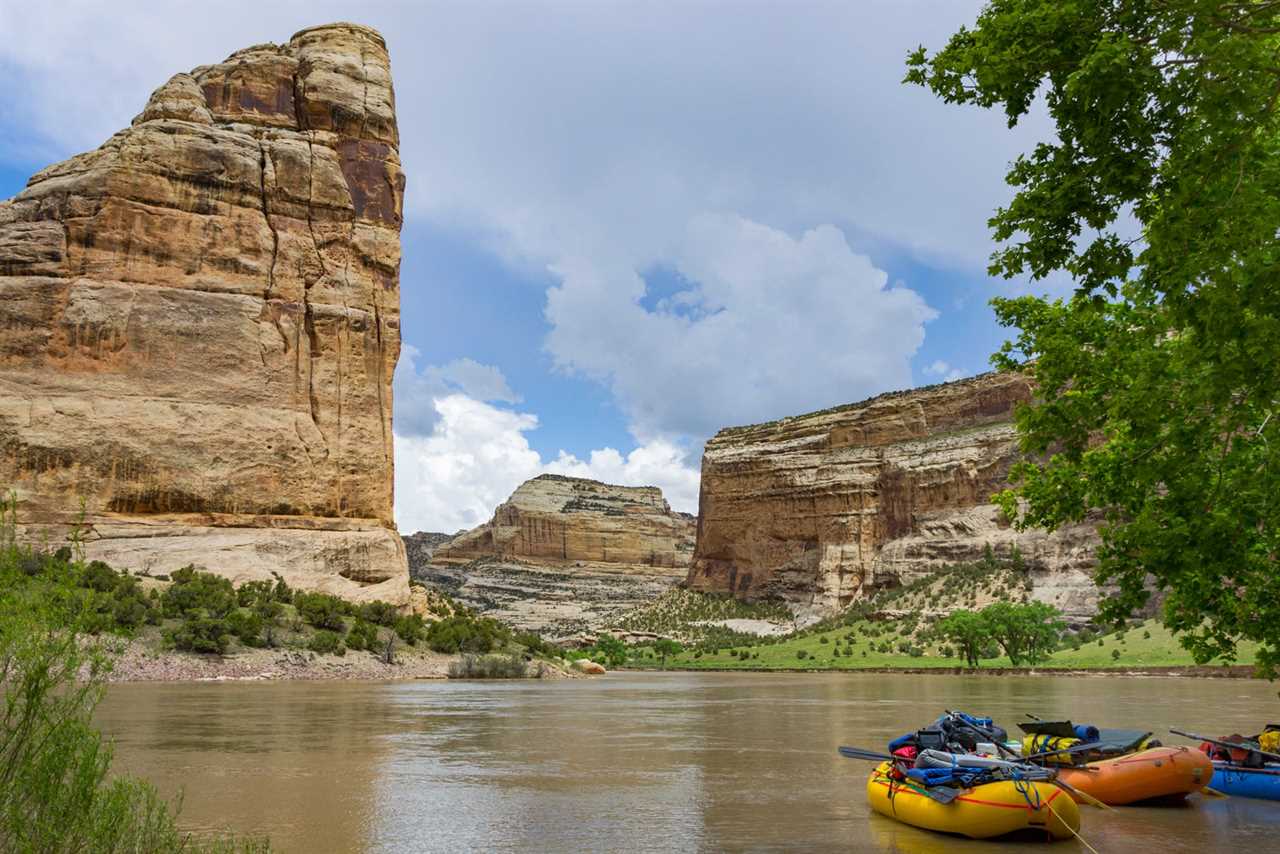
{"type": "Point", "coordinates": [363, 635]}
{"type": "Point", "coordinates": [610, 650]}
{"type": "Point", "coordinates": [1157, 382]}
{"type": "Point", "coordinates": [192, 591]}
{"type": "Point", "coordinates": [326, 642]}
{"type": "Point", "coordinates": [379, 613]}
{"type": "Point", "coordinates": [665, 647]}
{"type": "Point", "coordinates": [465, 632]}
{"type": "Point", "coordinates": [322, 610]}
{"type": "Point", "coordinates": [966, 631]}
{"type": "Point", "coordinates": [1027, 632]}
{"type": "Point", "coordinates": [57, 789]}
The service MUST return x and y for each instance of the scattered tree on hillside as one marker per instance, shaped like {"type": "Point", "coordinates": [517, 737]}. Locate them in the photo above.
{"type": "Point", "coordinates": [967, 632]}
{"type": "Point", "coordinates": [1157, 382]}
{"type": "Point", "coordinates": [664, 647]}
{"type": "Point", "coordinates": [1027, 632]}
{"type": "Point", "coordinates": [612, 650]}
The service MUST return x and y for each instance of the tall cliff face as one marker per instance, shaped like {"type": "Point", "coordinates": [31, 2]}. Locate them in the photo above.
{"type": "Point", "coordinates": [820, 509]}
{"type": "Point", "coordinates": [564, 555]}
{"type": "Point", "coordinates": [199, 322]}
{"type": "Point", "coordinates": [565, 520]}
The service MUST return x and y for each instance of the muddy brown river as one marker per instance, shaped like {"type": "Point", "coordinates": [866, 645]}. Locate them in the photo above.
{"type": "Point", "coordinates": [630, 762]}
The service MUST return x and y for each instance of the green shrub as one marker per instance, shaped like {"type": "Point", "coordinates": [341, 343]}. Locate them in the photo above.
{"type": "Point", "coordinates": [322, 610]}
{"type": "Point", "coordinates": [610, 650]}
{"type": "Point", "coordinates": [326, 642]}
{"type": "Point", "coordinates": [536, 645]}
{"type": "Point", "coordinates": [802, 654]}
{"type": "Point", "coordinates": [488, 667]}
{"type": "Point", "coordinates": [379, 613]}
{"type": "Point", "coordinates": [411, 629]}
{"type": "Point", "coordinates": [363, 635]}
{"type": "Point", "coordinates": [200, 632]}
{"type": "Point", "coordinates": [462, 632]}
{"type": "Point", "coordinates": [1115, 655]}
{"type": "Point", "coordinates": [247, 626]}
{"type": "Point", "coordinates": [193, 591]}
{"type": "Point", "coordinates": [250, 593]}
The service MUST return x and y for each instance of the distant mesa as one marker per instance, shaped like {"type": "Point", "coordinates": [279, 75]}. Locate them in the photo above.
{"type": "Point", "coordinates": [567, 520]}
{"type": "Point", "coordinates": [562, 555]}
{"type": "Point", "coordinates": [200, 319]}
{"type": "Point", "coordinates": [823, 509]}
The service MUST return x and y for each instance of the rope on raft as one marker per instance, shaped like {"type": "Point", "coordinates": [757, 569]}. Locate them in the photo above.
{"type": "Point", "coordinates": [1074, 832]}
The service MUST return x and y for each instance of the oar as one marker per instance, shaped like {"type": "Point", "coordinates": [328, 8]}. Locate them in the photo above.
{"type": "Point", "coordinates": [983, 731]}
{"type": "Point", "coordinates": [869, 755]}
{"type": "Point", "coordinates": [1083, 796]}
{"type": "Point", "coordinates": [1251, 746]}
{"type": "Point", "coordinates": [1212, 793]}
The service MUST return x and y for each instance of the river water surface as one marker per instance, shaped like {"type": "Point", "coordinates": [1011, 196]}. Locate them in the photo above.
{"type": "Point", "coordinates": [629, 762]}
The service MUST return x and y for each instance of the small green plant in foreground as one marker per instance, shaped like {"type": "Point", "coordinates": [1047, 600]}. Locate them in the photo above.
{"type": "Point", "coordinates": [57, 792]}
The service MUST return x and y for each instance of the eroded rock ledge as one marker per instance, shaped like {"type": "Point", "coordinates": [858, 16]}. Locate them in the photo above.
{"type": "Point", "coordinates": [821, 509]}
{"type": "Point", "coordinates": [563, 555]}
{"type": "Point", "coordinates": [200, 319]}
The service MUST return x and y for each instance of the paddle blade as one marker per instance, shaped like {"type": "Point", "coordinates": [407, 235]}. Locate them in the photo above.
{"type": "Point", "coordinates": [867, 755]}
{"type": "Point", "coordinates": [1213, 793]}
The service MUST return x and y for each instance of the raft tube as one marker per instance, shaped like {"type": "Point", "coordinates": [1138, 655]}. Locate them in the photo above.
{"type": "Point", "coordinates": [992, 809]}
{"type": "Point", "coordinates": [1160, 773]}
{"type": "Point", "coordinates": [1241, 782]}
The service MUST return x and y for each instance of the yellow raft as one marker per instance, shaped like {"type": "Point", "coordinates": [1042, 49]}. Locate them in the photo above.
{"type": "Point", "coordinates": [992, 809]}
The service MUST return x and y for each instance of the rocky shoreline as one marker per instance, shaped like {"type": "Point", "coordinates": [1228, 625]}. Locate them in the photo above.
{"type": "Point", "coordinates": [138, 663]}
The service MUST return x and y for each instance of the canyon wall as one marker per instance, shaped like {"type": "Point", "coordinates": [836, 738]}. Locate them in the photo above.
{"type": "Point", "coordinates": [563, 520]}
{"type": "Point", "coordinates": [199, 322]}
{"type": "Point", "coordinates": [563, 555]}
{"type": "Point", "coordinates": [822, 509]}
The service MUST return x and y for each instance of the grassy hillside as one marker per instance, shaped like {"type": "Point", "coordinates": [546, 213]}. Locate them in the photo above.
{"type": "Point", "coordinates": [893, 629]}
{"type": "Point", "coordinates": [861, 646]}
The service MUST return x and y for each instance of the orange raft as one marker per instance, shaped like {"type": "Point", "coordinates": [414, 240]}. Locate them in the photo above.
{"type": "Point", "coordinates": [1160, 773]}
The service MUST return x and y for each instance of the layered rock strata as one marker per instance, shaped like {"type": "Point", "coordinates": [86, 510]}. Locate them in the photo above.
{"type": "Point", "coordinates": [822, 509]}
{"type": "Point", "coordinates": [566, 520]}
{"type": "Point", "coordinates": [199, 322]}
{"type": "Point", "coordinates": [565, 555]}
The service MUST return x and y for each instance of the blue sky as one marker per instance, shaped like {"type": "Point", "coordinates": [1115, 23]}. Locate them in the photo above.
{"type": "Point", "coordinates": [626, 225]}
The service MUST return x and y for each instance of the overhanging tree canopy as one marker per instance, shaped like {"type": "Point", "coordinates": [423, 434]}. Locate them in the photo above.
{"type": "Point", "coordinates": [1159, 379]}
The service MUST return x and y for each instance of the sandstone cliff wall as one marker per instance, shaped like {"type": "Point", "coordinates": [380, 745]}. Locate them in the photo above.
{"type": "Point", "coordinates": [563, 555]}
{"type": "Point", "coordinates": [820, 509]}
{"type": "Point", "coordinates": [564, 520]}
{"type": "Point", "coordinates": [199, 322]}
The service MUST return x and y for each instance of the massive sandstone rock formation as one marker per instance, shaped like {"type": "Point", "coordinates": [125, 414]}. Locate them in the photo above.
{"type": "Point", "coordinates": [821, 509]}
{"type": "Point", "coordinates": [199, 322]}
{"type": "Point", "coordinates": [564, 554]}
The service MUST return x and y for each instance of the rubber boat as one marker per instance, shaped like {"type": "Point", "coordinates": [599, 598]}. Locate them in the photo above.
{"type": "Point", "coordinates": [982, 812]}
{"type": "Point", "coordinates": [1159, 773]}
{"type": "Point", "coordinates": [1247, 782]}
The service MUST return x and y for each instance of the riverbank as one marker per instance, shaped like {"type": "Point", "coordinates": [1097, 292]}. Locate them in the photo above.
{"type": "Point", "coordinates": [1146, 649]}
{"type": "Point", "coordinates": [1236, 671]}
{"type": "Point", "coordinates": [142, 662]}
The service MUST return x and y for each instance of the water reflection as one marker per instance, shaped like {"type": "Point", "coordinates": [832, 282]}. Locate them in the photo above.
{"type": "Point", "coordinates": [668, 762]}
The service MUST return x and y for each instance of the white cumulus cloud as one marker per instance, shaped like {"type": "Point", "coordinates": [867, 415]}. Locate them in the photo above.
{"type": "Point", "coordinates": [943, 371]}
{"type": "Point", "coordinates": [770, 325]}
{"type": "Point", "coordinates": [476, 455]}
